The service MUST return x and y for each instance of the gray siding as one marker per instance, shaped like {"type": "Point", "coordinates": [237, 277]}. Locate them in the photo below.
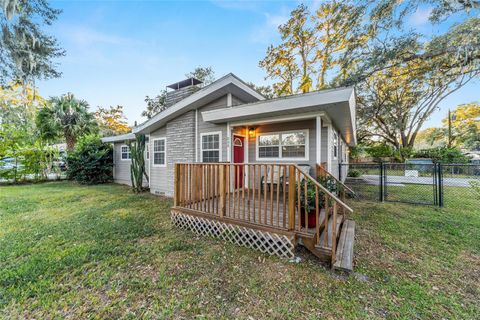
{"type": "Point", "coordinates": [121, 171]}
{"type": "Point", "coordinates": [205, 127]}
{"type": "Point", "coordinates": [309, 124]}
{"type": "Point", "coordinates": [180, 142]}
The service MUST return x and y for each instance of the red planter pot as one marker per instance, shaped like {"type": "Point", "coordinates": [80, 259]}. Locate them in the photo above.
{"type": "Point", "coordinates": [312, 222]}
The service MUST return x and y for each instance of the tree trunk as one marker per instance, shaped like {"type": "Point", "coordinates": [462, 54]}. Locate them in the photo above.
{"type": "Point", "coordinates": [70, 140]}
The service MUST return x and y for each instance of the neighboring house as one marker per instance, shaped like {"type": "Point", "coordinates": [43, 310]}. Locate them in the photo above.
{"type": "Point", "coordinates": [228, 121]}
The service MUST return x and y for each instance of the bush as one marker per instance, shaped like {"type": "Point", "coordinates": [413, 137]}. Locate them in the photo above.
{"type": "Point", "coordinates": [91, 162]}
{"type": "Point", "coordinates": [443, 155]}
{"type": "Point", "coordinates": [354, 173]}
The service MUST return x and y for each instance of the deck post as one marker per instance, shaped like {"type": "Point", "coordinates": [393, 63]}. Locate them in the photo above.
{"type": "Point", "coordinates": [176, 185]}
{"type": "Point", "coordinates": [291, 197]}
{"type": "Point", "coordinates": [223, 193]}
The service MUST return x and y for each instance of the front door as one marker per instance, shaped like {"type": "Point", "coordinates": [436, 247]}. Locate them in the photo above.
{"type": "Point", "coordinates": [238, 157]}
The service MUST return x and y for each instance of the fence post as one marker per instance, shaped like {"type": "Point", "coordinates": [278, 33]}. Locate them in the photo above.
{"type": "Point", "coordinates": [176, 185]}
{"type": "Point", "coordinates": [382, 169]}
{"type": "Point", "coordinates": [223, 190]}
{"type": "Point", "coordinates": [440, 185]}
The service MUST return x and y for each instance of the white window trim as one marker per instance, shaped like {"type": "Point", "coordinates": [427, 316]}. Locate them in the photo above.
{"type": "Point", "coordinates": [280, 158]}
{"type": "Point", "coordinates": [153, 153]}
{"type": "Point", "coordinates": [335, 156]}
{"type": "Point", "coordinates": [121, 153]}
{"type": "Point", "coordinates": [219, 144]}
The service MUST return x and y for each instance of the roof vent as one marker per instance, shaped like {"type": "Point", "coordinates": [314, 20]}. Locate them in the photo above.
{"type": "Point", "coordinates": [181, 90]}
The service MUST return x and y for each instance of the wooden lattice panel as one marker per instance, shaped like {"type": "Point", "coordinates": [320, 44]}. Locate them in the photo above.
{"type": "Point", "coordinates": [266, 242]}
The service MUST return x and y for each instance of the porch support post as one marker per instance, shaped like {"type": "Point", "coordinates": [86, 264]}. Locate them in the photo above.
{"type": "Point", "coordinates": [291, 197]}
{"type": "Point", "coordinates": [318, 131]}
{"type": "Point", "coordinates": [229, 143]}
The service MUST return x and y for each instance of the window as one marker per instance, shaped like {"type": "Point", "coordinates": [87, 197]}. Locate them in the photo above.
{"type": "Point", "coordinates": [159, 152]}
{"type": "Point", "coordinates": [147, 151]}
{"type": "Point", "coordinates": [211, 147]}
{"type": "Point", "coordinates": [335, 145]}
{"type": "Point", "coordinates": [292, 145]}
{"type": "Point", "coordinates": [126, 155]}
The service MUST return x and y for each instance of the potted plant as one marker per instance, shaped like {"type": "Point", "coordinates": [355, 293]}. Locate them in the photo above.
{"type": "Point", "coordinates": [308, 205]}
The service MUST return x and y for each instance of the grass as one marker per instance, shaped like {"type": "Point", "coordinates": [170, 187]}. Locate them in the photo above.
{"type": "Point", "coordinates": [70, 251]}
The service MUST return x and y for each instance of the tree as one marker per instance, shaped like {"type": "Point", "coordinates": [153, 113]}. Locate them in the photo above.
{"type": "Point", "coordinates": [18, 108]}
{"type": "Point", "coordinates": [266, 91]}
{"type": "Point", "coordinates": [112, 121]}
{"type": "Point", "coordinates": [293, 59]}
{"type": "Point", "coordinates": [204, 74]}
{"type": "Point", "coordinates": [309, 55]}
{"type": "Point", "coordinates": [157, 104]}
{"type": "Point", "coordinates": [26, 52]}
{"type": "Point", "coordinates": [65, 117]}
{"type": "Point", "coordinates": [465, 126]}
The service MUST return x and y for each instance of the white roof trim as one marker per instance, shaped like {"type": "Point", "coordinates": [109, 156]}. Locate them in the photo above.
{"type": "Point", "coordinates": [331, 101]}
{"type": "Point", "coordinates": [205, 91]}
{"type": "Point", "coordinates": [279, 104]}
{"type": "Point", "coordinates": [120, 138]}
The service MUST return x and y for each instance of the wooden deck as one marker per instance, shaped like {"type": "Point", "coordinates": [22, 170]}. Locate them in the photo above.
{"type": "Point", "coordinates": [270, 200]}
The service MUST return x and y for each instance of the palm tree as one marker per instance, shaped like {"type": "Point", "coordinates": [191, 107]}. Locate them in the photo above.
{"type": "Point", "coordinates": [66, 117]}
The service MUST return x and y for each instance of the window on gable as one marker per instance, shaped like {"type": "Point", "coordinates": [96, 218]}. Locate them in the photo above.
{"type": "Point", "coordinates": [159, 152]}
{"type": "Point", "coordinates": [126, 155]}
{"type": "Point", "coordinates": [211, 147]}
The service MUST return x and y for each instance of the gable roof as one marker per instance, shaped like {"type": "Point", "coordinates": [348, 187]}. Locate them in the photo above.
{"type": "Point", "coordinates": [338, 103]}
{"type": "Point", "coordinates": [226, 84]}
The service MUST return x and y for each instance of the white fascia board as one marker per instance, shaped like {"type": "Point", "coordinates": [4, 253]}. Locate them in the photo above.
{"type": "Point", "coordinates": [202, 93]}
{"type": "Point", "coordinates": [278, 105]}
{"type": "Point", "coordinates": [120, 138]}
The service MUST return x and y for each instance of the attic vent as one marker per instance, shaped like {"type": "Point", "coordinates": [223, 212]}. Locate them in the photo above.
{"type": "Point", "coordinates": [181, 90]}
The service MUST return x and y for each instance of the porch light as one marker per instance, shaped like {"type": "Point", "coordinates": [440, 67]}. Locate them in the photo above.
{"type": "Point", "coordinates": [251, 132]}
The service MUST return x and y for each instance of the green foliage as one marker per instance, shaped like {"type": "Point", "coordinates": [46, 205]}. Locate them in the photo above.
{"type": "Point", "coordinates": [91, 162]}
{"type": "Point", "coordinates": [137, 168]}
{"type": "Point", "coordinates": [443, 155]}
{"type": "Point", "coordinates": [26, 51]}
{"type": "Point", "coordinates": [32, 162]}
{"type": "Point", "coordinates": [66, 117]}
{"type": "Point", "coordinates": [354, 173]}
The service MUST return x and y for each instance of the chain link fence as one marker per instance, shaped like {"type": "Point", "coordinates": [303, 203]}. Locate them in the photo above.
{"type": "Point", "coordinates": [417, 183]}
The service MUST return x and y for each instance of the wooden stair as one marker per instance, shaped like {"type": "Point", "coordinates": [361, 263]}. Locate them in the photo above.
{"type": "Point", "coordinates": [344, 255]}
{"type": "Point", "coordinates": [329, 242]}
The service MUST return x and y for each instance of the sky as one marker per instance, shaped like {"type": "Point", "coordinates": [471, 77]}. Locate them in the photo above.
{"type": "Point", "coordinates": [117, 52]}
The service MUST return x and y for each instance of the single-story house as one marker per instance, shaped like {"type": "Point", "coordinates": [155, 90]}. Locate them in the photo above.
{"type": "Point", "coordinates": [228, 121]}
{"type": "Point", "coordinates": [242, 167]}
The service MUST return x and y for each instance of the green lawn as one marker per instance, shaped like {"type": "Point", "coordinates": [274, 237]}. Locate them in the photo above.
{"type": "Point", "coordinates": [69, 251]}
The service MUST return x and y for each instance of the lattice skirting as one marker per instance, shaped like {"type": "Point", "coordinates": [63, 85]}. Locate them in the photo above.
{"type": "Point", "coordinates": [266, 242]}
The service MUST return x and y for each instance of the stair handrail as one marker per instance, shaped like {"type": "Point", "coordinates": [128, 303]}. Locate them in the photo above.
{"type": "Point", "coordinates": [325, 171]}
{"type": "Point", "coordinates": [325, 190]}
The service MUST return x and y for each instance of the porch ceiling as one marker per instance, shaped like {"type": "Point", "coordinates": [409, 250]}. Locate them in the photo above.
{"type": "Point", "coordinates": [337, 104]}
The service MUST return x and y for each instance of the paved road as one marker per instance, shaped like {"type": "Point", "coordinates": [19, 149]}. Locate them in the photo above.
{"type": "Point", "coordinates": [400, 180]}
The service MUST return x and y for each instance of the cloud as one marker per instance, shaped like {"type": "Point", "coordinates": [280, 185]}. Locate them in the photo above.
{"type": "Point", "coordinates": [420, 17]}
{"type": "Point", "coordinates": [268, 30]}
{"type": "Point", "coordinates": [83, 36]}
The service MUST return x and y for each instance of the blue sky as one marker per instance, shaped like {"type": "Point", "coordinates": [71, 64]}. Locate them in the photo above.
{"type": "Point", "coordinates": [120, 51]}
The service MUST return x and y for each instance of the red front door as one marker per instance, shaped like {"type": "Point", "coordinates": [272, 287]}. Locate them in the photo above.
{"type": "Point", "coordinates": [238, 157]}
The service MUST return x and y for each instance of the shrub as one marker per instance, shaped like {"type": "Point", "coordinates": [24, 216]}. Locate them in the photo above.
{"type": "Point", "coordinates": [354, 173]}
{"type": "Point", "coordinates": [443, 154]}
{"type": "Point", "coordinates": [91, 162]}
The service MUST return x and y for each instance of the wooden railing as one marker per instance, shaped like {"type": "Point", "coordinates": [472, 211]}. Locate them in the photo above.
{"type": "Point", "coordinates": [263, 195]}
{"type": "Point", "coordinates": [342, 189]}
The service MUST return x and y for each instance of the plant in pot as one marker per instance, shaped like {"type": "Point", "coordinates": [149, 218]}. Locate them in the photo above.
{"type": "Point", "coordinates": [307, 203]}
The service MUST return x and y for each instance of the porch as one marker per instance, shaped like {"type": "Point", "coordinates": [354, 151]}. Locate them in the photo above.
{"type": "Point", "coordinates": [266, 206]}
